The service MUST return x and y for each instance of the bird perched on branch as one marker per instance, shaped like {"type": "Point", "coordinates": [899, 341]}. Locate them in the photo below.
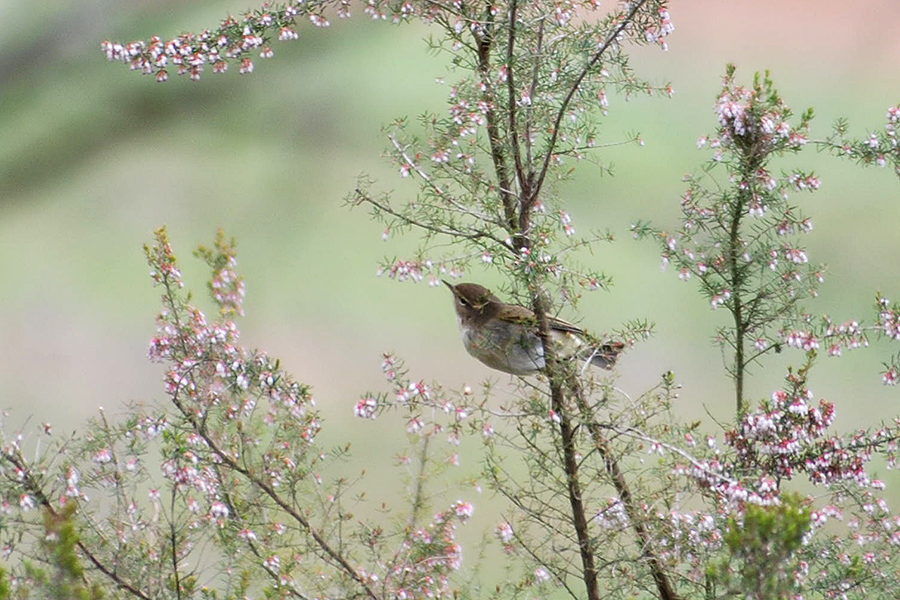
{"type": "Point", "coordinates": [505, 336]}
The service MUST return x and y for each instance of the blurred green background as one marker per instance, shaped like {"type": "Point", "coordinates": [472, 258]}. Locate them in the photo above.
{"type": "Point", "coordinates": [93, 158]}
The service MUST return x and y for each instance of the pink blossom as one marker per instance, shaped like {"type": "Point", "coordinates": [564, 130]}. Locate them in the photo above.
{"type": "Point", "coordinates": [367, 408]}
{"type": "Point", "coordinates": [463, 509]}
{"type": "Point", "coordinates": [103, 456]}
{"type": "Point", "coordinates": [504, 531]}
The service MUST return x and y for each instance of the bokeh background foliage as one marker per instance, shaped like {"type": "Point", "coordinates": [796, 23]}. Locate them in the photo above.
{"type": "Point", "coordinates": [94, 158]}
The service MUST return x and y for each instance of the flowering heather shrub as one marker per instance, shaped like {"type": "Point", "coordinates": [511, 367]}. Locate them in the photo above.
{"type": "Point", "coordinates": [742, 241]}
{"type": "Point", "coordinates": [230, 491]}
{"type": "Point", "coordinates": [225, 491]}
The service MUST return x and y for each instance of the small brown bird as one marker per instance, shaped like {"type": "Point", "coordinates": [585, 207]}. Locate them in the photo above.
{"type": "Point", "coordinates": [505, 336]}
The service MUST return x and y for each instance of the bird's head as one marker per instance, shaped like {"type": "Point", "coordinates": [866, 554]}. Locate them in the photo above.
{"type": "Point", "coordinates": [473, 302]}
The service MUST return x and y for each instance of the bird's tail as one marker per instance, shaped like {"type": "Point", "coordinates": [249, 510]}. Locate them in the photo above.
{"type": "Point", "coordinates": [605, 356]}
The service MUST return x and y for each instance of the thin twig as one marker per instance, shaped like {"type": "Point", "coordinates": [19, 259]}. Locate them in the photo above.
{"type": "Point", "coordinates": [639, 435]}
{"type": "Point", "coordinates": [511, 93]}
{"type": "Point", "coordinates": [173, 540]}
{"type": "Point", "coordinates": [573, 89]}
{"type": "Point", "coordinates": [462, 208]}
{"type": "Point", "coordinates": [529, 113]}
{"type": "Point", "coordinates": [418, 499]}
{"type": "Point", "coordinates": [407, 220]}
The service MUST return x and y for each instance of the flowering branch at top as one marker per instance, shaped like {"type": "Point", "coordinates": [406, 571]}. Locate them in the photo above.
{"type": "Point", "coordinates": [233, 41]}
{"type": "Point", "coordinates": [528, 96]}
{"type": "Point", "coordinates": [225, 286]}
{"type": "Point", "coordinates": [236, 39]}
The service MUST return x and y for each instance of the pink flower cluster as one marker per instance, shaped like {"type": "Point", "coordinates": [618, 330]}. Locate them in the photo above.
{"type": "Point", "coordinates": [782, 435]}
{"type": "Point", "coordinates": [505, 533]}
{"type": "Point", "coordinates": [890, 141]}
{"type": "Point", "coordinates": [658, 32]}
{"type": "Point", "coordinates": [689, 537]}
{"type": "Point", "coordinates": [428, 556]}
{"type": "Point", "coordinates": [228, 288]}
{"type": "Point", "coordinates": [888, 324]}
{"type": "Point", "coordinates": [212, 379]}
{"type": "Point", "coordinates": [613, 516]}
{"type": "Point", "coordinates": [415, 270]}
{"type": "Point", "coordinates": [233, 41]}
{"type": "Point", "coordinates": [753, 116]}
{"type": "Point", "coordinates": [888, 318]}
{"type": "Point", "coordinates": [847, 335]}
{"type": "Point", "coordinates": [403, 270]}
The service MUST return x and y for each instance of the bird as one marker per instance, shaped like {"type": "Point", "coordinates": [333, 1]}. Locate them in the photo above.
{"type": "Point", "coordinates": [505, 336]}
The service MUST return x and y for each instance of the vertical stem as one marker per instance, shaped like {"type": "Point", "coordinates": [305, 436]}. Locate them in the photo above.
{"type": "Point", "coordinates": [513, 134]}
{"type": "Point", "coordinates": [484, 43]}
{"type": "Point", "coordinates": [570, 462]}
{"type": "Point", "coordinates": [579, 519]}
{"type": "Point", "coordinates": [529, 110]}
{"type": "Point", "coordinates": [663, 584]}
{"type": "Point", "coordinates": [173, 534]}
{"type": "Point", "coordinates": [517, 216]}
{"type": "Point", "coordinates": [418, 503]}
{"type": "Point", "coordinates": [737, 309]}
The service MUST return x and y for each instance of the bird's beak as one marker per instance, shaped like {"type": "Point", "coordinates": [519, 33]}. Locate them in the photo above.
{"type": "Point", "coordinates": [448, 284]}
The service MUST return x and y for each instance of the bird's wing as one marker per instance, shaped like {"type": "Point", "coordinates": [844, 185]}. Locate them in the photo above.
{"type": "Point", "coordinates": [520, 314]}
{"type": "Point", "coordinates": [516, 314]}
{"type": "Point", "coordinates": [561, 325]}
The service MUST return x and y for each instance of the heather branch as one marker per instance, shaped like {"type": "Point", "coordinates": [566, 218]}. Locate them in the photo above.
{"type": "Point", "coordinates": [361, 197]}
{"type": "Point", "coordinates": [200, 427]}
{"type": "Point", "coordinates": [529, 191]}
{"type": "Point", "coordinates": [623, 490]}
{"type": "Point", "coordinates": [28, 482]}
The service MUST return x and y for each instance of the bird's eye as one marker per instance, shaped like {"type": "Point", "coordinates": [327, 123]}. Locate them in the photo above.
{"type": "Point", "coordinates": [462, 302]}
